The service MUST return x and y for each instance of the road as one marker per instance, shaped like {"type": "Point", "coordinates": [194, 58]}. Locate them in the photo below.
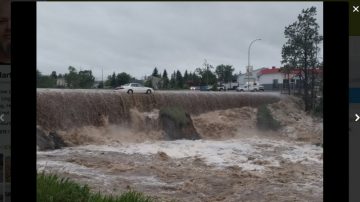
{"type": "Point", "coordinates": [159, 91]}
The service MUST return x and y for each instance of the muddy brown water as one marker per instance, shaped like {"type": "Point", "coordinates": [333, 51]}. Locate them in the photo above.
{"type": "Point", "coordinates": [232, 162]}
{"type": "Point", "coordinates": [65, 109]}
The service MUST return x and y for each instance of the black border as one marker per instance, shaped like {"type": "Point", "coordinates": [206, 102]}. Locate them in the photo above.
{"type": "Point", "coordinates": [336, 77]}
{"type": "Point", "coordinates": [23, 98]}
{"type": "Point", "coordinates": [336, 101]}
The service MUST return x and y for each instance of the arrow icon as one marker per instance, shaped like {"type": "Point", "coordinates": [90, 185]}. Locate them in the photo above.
{"type": "Point", "coordinates": [2, 117]}
{"type": "Point", "coordinates": [357, 117]}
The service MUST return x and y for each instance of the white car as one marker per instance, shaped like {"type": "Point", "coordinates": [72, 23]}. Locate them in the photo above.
{"type": "Point", "coordinates": [194, 88]}
{"type": "Point", "coordinates": [251, 88]}
{"type": "Point", "coordinates": [131, 88]}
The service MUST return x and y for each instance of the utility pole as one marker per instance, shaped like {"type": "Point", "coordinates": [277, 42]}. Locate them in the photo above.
{"type": "Point", "coordinates": [248, 67]}
{"type": "Point", "coordinates": [102, 77]}
{"type": "Point", "coordinates": [206, 72]}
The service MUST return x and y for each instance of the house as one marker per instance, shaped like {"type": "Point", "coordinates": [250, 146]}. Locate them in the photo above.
{"type": "Point", "coordinates": [243, 78]}
{"type": "Point", "coordinates": [273, 79]}
{"type": "Point", "coordinates": [154, 82]}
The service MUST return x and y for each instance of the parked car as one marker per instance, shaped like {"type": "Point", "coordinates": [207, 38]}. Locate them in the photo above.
{"type": "Point", "coordinates": [205, 88]}
{"type": "Point", "coordinates": [250, 87]}
{"type": "Point", "coordinates": [131, 88]}
{"type": "Point", "coordinates": [195, 88]}
{"type": "Point", "coordinates": [221, 88]}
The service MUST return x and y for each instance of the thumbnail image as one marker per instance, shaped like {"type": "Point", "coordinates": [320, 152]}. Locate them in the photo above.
{"type": "Point", "coordinates": [179, 101]}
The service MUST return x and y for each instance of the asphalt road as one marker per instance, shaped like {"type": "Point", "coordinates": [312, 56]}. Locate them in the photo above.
{"type": "Point", "coordinates": [158, 91]}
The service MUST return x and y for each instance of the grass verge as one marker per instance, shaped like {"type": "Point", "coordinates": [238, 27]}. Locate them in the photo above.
{"type": "Point", "coordinates": [51, 188]}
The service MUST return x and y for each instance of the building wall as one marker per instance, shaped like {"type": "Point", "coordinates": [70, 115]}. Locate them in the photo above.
{"type": "Point", "coordinates": [243, 78]}
{"type": "Point", "coordinates": [61, 82]}
{"type": "Point", "coordinates": [269, 78]}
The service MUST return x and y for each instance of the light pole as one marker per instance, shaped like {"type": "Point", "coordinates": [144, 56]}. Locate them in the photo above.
{"type": "Point", "coordinates": [248, 67]}
{"type": "Point", "coordinates": [102, 78]}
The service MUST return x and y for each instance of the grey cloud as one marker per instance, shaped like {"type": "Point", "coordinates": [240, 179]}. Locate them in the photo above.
{"type": "Point", "coordinates": [137, 36]}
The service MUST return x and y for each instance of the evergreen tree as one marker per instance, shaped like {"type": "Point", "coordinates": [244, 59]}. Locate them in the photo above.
{"type": "Point", "coordinates": [172, 80]}
{"type": "Point", "coordinates": [300, 52]}
{"type": "Point", "coordinates": [53, 74]}
{"type": "Point", "coordinates": [155, 72]}
{"type": "Point", "coordinates": [179, 80]}
{"type": "Point", "coordinates": [165, 80]}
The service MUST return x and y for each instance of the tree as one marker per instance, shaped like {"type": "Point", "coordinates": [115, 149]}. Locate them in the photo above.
{"type": "Point", "coordinates": [207, 77]}
{"type": "Point", "coordinates": [155, 73]}
{"type": "Point", "coordinates": [172, 80]}
{"type": "Point", "coordinates": [53, 75]}
{"type": "Point", "coordinates": [224, 73]}
{"type": "Point", "coordinates": [86, 79]}
{"type": "Point", "coordinates": [165, 80]}
{"type": "Point", "coordinates": [179, 80]}
{"type": "Point", "coordinates": [123, 78]}
{"type": "Point", "coordinates": [234, 77]}
{"type": "Point", "coordinates": [72, 78]}
{"type": "Point", "coordinates": [186, 79]}
{"type": "Point", "coordinates": [301, 49]}
{"type": "Point", "coordinates": [43, 81]}
{"type": "Point", "coordinates": [148, 82]}
{"type": "Point", "coordinates": [287, 70]}
{"type": "Point", "coordinates": [101, 84]}
{"type": "Point", "coordinates": [194, 79]}
{"type": "Point", "coordinates": [220, 72]}
{"type": "Point", "coordinates": [113, 80]}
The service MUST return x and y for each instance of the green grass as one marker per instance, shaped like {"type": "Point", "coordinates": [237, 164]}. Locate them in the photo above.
{"type": "Point", "coordinates": [265, 120]}
{"type": "Point", "coordinates": [51, 188]}
{"type": "Point", "coordinates": [177, 114]}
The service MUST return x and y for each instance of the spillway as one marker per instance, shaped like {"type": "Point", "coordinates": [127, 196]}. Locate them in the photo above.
{"type": "Point", "coordinates": [65, 109]}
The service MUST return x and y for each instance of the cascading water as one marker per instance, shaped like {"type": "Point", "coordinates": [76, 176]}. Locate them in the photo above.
{"type": "Point", "coordinates": [66, 109]}
{"type": "Point", "coordinates": [114, 143]}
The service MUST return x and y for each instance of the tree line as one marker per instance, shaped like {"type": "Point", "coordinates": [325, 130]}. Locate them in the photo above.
{"type": "Point", "coordinates": [73, 79]}
{"type": "Point", "coordinates": [176, 80]}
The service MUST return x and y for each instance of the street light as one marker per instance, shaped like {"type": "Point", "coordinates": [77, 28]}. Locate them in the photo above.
{"type": "Point", "coordinates": [248, 68]}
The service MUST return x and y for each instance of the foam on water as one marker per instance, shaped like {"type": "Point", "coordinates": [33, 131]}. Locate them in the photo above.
{"type": "Point", "coordinates": [233, 152]}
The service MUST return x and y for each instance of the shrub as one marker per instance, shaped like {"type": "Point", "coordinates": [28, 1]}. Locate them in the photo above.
{"type": "Point", "coordinates": [265, 120]}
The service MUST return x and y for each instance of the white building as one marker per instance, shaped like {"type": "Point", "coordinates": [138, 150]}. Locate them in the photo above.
{"type": "Point", "coordinates": [253, 77]}
{"type": "Point", "coordinates": [60, 82]}
{"type": "Point", "coordinates": [270, 78]}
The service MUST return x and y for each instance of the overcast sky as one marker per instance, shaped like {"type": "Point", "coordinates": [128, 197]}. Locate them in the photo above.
{"type": "Point", "coordinates": [135, 37]}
